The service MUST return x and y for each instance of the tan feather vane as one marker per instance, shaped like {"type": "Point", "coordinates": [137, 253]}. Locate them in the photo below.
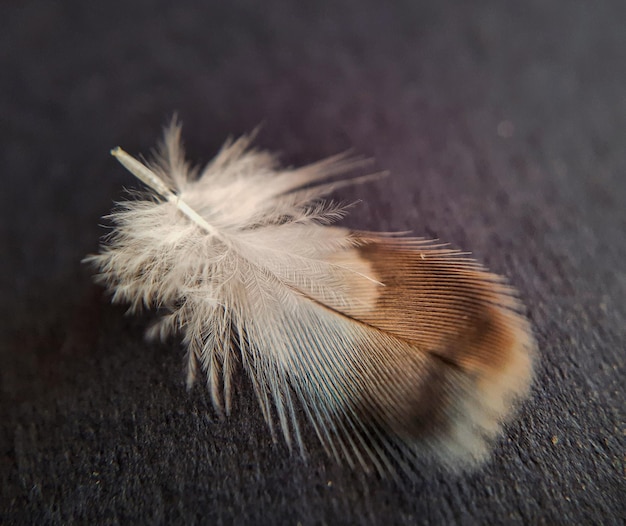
{"type": "Point", "coordinates": [392, 347]}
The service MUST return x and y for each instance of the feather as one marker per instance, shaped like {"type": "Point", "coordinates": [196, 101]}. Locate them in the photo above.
{"type": "Point", "coordinates": [393, 347]}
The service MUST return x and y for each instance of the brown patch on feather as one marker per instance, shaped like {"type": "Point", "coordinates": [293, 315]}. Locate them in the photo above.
{"type": "Point", "coordinates": [459, 352]}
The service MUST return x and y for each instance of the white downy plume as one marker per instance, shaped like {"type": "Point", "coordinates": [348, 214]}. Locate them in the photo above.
{"type": "Point", "coordinates": [392, 346]}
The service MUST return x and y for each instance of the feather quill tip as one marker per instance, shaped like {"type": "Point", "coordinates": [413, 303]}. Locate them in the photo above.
{"type": "Point", "coordinates": [393, 347]}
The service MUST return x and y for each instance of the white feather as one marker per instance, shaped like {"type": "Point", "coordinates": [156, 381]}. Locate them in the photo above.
{"type": "Point", "coordinates": [242, 257]}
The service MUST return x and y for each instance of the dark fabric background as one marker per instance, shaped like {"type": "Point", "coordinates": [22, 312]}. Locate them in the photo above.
{"type": "Point", "coordinates": [504, 127]}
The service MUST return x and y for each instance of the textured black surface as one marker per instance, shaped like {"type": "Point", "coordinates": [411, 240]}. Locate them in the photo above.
{"type": "Point", "coordinates": [504, 126]}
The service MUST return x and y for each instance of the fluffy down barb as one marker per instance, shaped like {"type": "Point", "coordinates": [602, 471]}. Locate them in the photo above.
{"type": "Point", "coordinates": [393, 347]}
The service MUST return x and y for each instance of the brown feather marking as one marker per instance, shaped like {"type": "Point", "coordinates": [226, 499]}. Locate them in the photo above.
{"type": "Point", "coordinates": [467, 318]}
{"type": "Point", "coordinates": [459, 352]}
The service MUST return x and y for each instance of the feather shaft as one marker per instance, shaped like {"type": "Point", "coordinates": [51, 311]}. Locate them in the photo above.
{"type": "Point", "coordinates": [147, 176]}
